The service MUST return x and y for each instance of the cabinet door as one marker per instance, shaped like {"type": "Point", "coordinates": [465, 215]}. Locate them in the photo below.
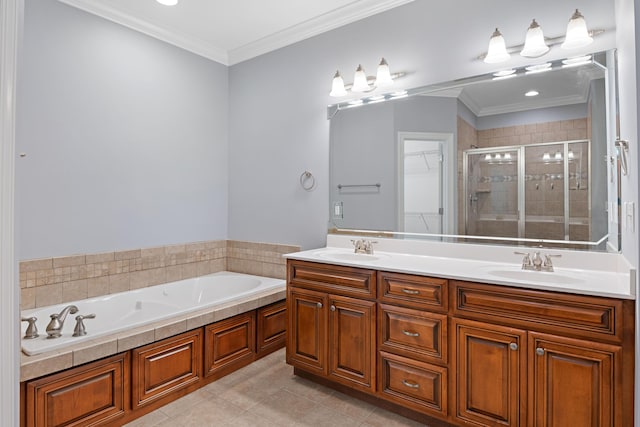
{"type": "Point", "coordinates": [271, 328]}
{"type": "Point", "coordinates": [490, 362]}
{"type": "Point", "coordinates": [229, 344]}
{"type": "Point", "coordinates": [94, 394]}
{"type": "Point", "coordinates": [573, 382]}
{"type": "Point", "coordinates": [352, 342]}
{"type": "Point", "coordinates": [307, 334]}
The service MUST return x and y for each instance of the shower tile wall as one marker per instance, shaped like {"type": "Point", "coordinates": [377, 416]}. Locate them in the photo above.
{"type": "Point", "coordinates": [58, 280]}
{"type": "Point", "coordinates": [544, 200]}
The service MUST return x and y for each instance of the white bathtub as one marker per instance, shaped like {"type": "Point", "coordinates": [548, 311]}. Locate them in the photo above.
{"type": "Point", "coordinates": [125, 310]}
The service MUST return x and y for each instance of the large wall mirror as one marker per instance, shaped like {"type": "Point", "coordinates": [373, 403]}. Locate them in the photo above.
{"type": "Point", "coordinates": [525, 156]}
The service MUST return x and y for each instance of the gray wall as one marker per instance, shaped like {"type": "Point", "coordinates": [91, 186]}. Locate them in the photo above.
{"type": "Point", "coordinates": [125, 138]}
{"type": "Point", "coordinates": [278, 101]}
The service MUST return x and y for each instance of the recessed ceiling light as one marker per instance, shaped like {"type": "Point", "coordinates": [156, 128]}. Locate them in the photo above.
{"type": "Point", "coordinates": [168, 2]}
{"type": "Point", "coordinates": [532, 93]}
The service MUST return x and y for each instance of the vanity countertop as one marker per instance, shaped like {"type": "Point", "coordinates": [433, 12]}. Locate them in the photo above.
{"type": "Point", "coordinates": [577, 272]}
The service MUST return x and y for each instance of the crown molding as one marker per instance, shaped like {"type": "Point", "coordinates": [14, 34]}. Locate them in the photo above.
{"type": "Point", "coordinates": [336, 18]}
{"type": "Point", "coordinates": [355, 11]}
{"type": "Point", "coordinates": [183, 41]}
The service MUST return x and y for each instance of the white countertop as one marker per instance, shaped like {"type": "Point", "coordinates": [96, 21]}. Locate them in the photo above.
{"type": "Point", "coordinates": [577, 272]}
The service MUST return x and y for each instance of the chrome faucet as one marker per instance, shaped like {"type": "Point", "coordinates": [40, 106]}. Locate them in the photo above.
{"type": "Point", "coordinates": [536, 262]}
{"type": "Point", "coordinates": [363, 246]}
{"type": "Point", "coordinates": [80, 329]}
{"type": "Point", "coordinates": [54, 328]}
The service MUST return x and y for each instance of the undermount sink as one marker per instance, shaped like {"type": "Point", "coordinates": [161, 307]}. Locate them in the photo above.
{"type": "Point", "coordinates": [516, 273]}
{"type": "Point", "coordinates": [348, 256]}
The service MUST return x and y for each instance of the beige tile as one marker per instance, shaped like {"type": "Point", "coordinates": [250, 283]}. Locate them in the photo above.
{"type": "Point", "coordinates": [247, 419]}
{"type": "Point", "coordinates": [48, 295]}
{"type": "Point", "coordinates": [274, 270]}
{"type": "Point", "coordinates": [212, 412]}
{"type": "Point", "coordinates": [135, 338]}
{"type": "Point", "coordinates": [75, 290]}
{"type": "Point", "coordinates": [39, 365]}
{"type": "Point", "coordinates": [152, 252]}
{"type": "Point", "coordinates": [189, 270]}
{"type": "Point", "coordinates": [173, 273]}
{"type": "Point", "coordinates": [170, 329]}
{"type": "Point", "coordinates": [94, 350]}
{"type": "Point", "coordinates": [119, 283]}
{"type": "Point", "coordinates": [36, 264]}
{"type": "Point", "coordinates": [181, 406]}
{"type": "Point", "coordinates": [97, 286]}
{"type": "Point", "coordinates": [102, 257]}
{"type": "Point", "coordinates": [200, 320]}
{"type": "Point", "coordinates": [152, 419]}
{"type": "Point", "coordinates": [284, 408]}
{"type": "Point", "coordinates": [145, 278]}
{"type": "Point", "coordinates": [382, 418]}
{"type": "Point", "coordinates": [132, 254]}
{"type": "Point", "coordinates": [68, 261]}
{"type": "Point", "coordinates": [27, 298]}
{"type": "Point", "coordinates": [175, 249]}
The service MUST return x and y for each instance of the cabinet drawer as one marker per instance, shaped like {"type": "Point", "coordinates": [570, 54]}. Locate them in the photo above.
{"type": "Point", "coordinates": [575, 315]}
{"type": "Point", "coordinates": [413, 384]}
{"type": "Point", "coordinates": [229, 344]}
{"type": "Point", "coordinates": [413, 291]}
{"type": "Point", "coordinates": [348, 281]}
{"type": "Point", "coordinates": [271, 328]}
{"type": "Point", "coordinates": [413, 333]}
{"type": "Point", "coordinates": [161, 368]}
{"type": "Point", "coordinates": [94, 394]}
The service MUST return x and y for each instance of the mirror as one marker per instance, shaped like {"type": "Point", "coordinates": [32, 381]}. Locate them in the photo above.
{"type": "Point", "coordinates": [519, 156]}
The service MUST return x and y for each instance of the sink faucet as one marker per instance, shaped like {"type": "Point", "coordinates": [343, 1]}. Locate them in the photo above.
{"type": "Point", "coordinates": [54, 328]}
{"type": "Point", "coordinates": [363, 246]}
{"type": "Point", "coordinates": [536, 262]}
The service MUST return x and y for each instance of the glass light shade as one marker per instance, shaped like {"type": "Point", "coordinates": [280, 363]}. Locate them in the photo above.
{"type": "Point", "coordinates": [558, 155]}
{"type": "Point", "coordinates": [168, 2]}
{"type": "Point", "coordinates": [487, 157]}
{"type": "Point", "coordinates": [546, 157]}
{"type": "Point", "coordinates": [507, 156]}
{"type": "Point", "coordinates": [571, 154]}
{"type": "Point", "coordinates": [534, 44]}
{"type": "Point", "coordinates": [360, 83]}
{"type": "Point", "coordinates": [577, 33]}
{"type": "Point", "coordinates": [497, 49]}
{"type": "Point", "coordinates": [337, 87]}
{"type": "Point", "coordinates": [383, 76]}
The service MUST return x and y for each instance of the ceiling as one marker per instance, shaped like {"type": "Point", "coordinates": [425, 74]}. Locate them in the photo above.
{"type": "Point", "coordinates": [234, 31]}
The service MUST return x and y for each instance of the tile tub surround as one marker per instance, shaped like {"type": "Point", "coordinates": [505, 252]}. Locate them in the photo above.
{"type": "Point", "coordinates": [52, 281]}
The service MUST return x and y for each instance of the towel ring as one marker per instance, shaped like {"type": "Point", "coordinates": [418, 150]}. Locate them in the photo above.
{"type": "Point", "coordinates": [307, 181]}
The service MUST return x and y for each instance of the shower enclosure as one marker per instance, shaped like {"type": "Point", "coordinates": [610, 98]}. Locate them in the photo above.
{"type": "Point", "coordinates": [535, 190]}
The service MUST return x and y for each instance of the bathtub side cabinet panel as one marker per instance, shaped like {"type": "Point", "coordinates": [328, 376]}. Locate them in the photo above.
{"type": "Point", "coordinates": [229, 344]}
{"type": "Point", "coordinates": [271, 328]}
{"type": "Point", "coordinates": [94, 394]}
{"type": "Point", "coordinates": [162, 368]}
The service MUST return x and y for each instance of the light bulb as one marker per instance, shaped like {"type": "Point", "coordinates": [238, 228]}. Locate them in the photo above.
{"type": "Point", "coordinates": [497, 51]}
{"type": "Point", "coordinates": [337, 86]}
{"type": "Point", "coordinates": [360, 83]}
{"type": "Point", "coordinates": [534, 44]}
{"type": "Point", "coordinates": [383, 76]}
{"type": "Point", "coordinates": [577, 33]}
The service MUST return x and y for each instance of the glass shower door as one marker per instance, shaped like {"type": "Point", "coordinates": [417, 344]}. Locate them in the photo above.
{"type": "Point", "coordinates": [492, 192]}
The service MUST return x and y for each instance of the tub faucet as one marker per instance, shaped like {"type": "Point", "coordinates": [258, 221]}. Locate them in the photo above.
{"type": "Point", "coordinates": [54, 328]}
{"type": "Point", "coordinates": [363, 246]}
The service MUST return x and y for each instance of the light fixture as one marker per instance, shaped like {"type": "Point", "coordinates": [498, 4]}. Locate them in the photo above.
{"type": "Point", "coordinates": [538, 68]}
{"type": "Point", "coordinates": [507, 156]}
{"type": "Point", "coordinates": [497, 49]}
{"type": "Point", "coordinates": [577, 33]}
{"type": "Point", "coordinates": [383, 75]}
{"type": "Point", "coordinates": [168, 2]}
{"type": "Point", "coordinates": [546, 157]}
{"type": "Point", "coordinates": [570, 155]}
{"type": "Point", "coordinates": [360, 83]}
{"type": "Point", "coordinates": [534, 44]}
{"type": "Point", "coordinates": [337, 87]}
{"type": "Point", "coordinates": [487, 157]}
{"type": "Point", "coordinates": [558, 155]}
{"type": "Point", "coordinates": [576, 61]}
{"type": "Point", "coordinates": [505, 73]}
{"type": "Point", "coordinates": [532, 93]}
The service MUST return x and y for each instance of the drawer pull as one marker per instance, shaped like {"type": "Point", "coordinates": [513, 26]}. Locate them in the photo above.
{"type": "Point", "coordinates": [332, 308]}
{"type": "Point", "coordinates": [410, 384]}
{"type": "Point", "coordinates": [410, 291]}
{"type": "Point", "coordinates": [513, 346]}
{"type": "Point", "coordinates": [540, 351]}
{"type": "Point", "coordinates": [319, 305]}
{"type": "Point", "coordinates": [410, 334]}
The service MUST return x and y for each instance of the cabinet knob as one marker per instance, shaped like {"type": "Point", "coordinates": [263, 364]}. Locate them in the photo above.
{"type": "Point", "coordinates": [319, 305]}
{"type": "Point", "coordinates": [410, 384]}
{"type": "Point", "coordinates": [513, 346]}
{"type": "Point", "coordinates": [540, 351]}
{"type": "Point", "coordinates": [410, 334]}
{"type": "Point", "coordinates": [333, 308]}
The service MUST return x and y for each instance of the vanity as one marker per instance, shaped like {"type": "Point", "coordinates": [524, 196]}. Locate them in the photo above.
{"type": "Point", "coordinates": [451, 334]}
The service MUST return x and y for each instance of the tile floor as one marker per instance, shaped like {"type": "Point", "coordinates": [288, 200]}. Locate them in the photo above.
{"type": "Point", "coordinates": [266, 393]}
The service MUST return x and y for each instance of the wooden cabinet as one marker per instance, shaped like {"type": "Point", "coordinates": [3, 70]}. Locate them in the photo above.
{"type": "Point", "coordinates": [229, 344]}
{"type": "Point", "coordinates": [461, 352]}
{"type": "Point", "coordinates": [490, 363]}
{"type": "Point", "coordinates": [94, 394]}
{"type": "Point", "coordinates": [574, 382]}
{"type": "Point", "coordinates": [271, 328]}
{"type": "Point", "coordinates": [331, 333]}
{"type": "Point", "coordinates": [162, 368]}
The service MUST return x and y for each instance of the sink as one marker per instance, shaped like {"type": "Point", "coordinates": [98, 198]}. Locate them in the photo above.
{"type": "Point", "coordinates": [349, 256]}
{"type": "Point", "coordinates": [551, 277]}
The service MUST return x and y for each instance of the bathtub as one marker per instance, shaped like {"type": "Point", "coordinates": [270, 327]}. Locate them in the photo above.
{"type": "Point", "coordinates": [126, 310]}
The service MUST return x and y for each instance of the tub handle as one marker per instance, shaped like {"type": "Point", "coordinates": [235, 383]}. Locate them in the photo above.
{"type": "Point", "coordinates": [32, 330]}
{"type": "Point", "coordinates": [80, 330]}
